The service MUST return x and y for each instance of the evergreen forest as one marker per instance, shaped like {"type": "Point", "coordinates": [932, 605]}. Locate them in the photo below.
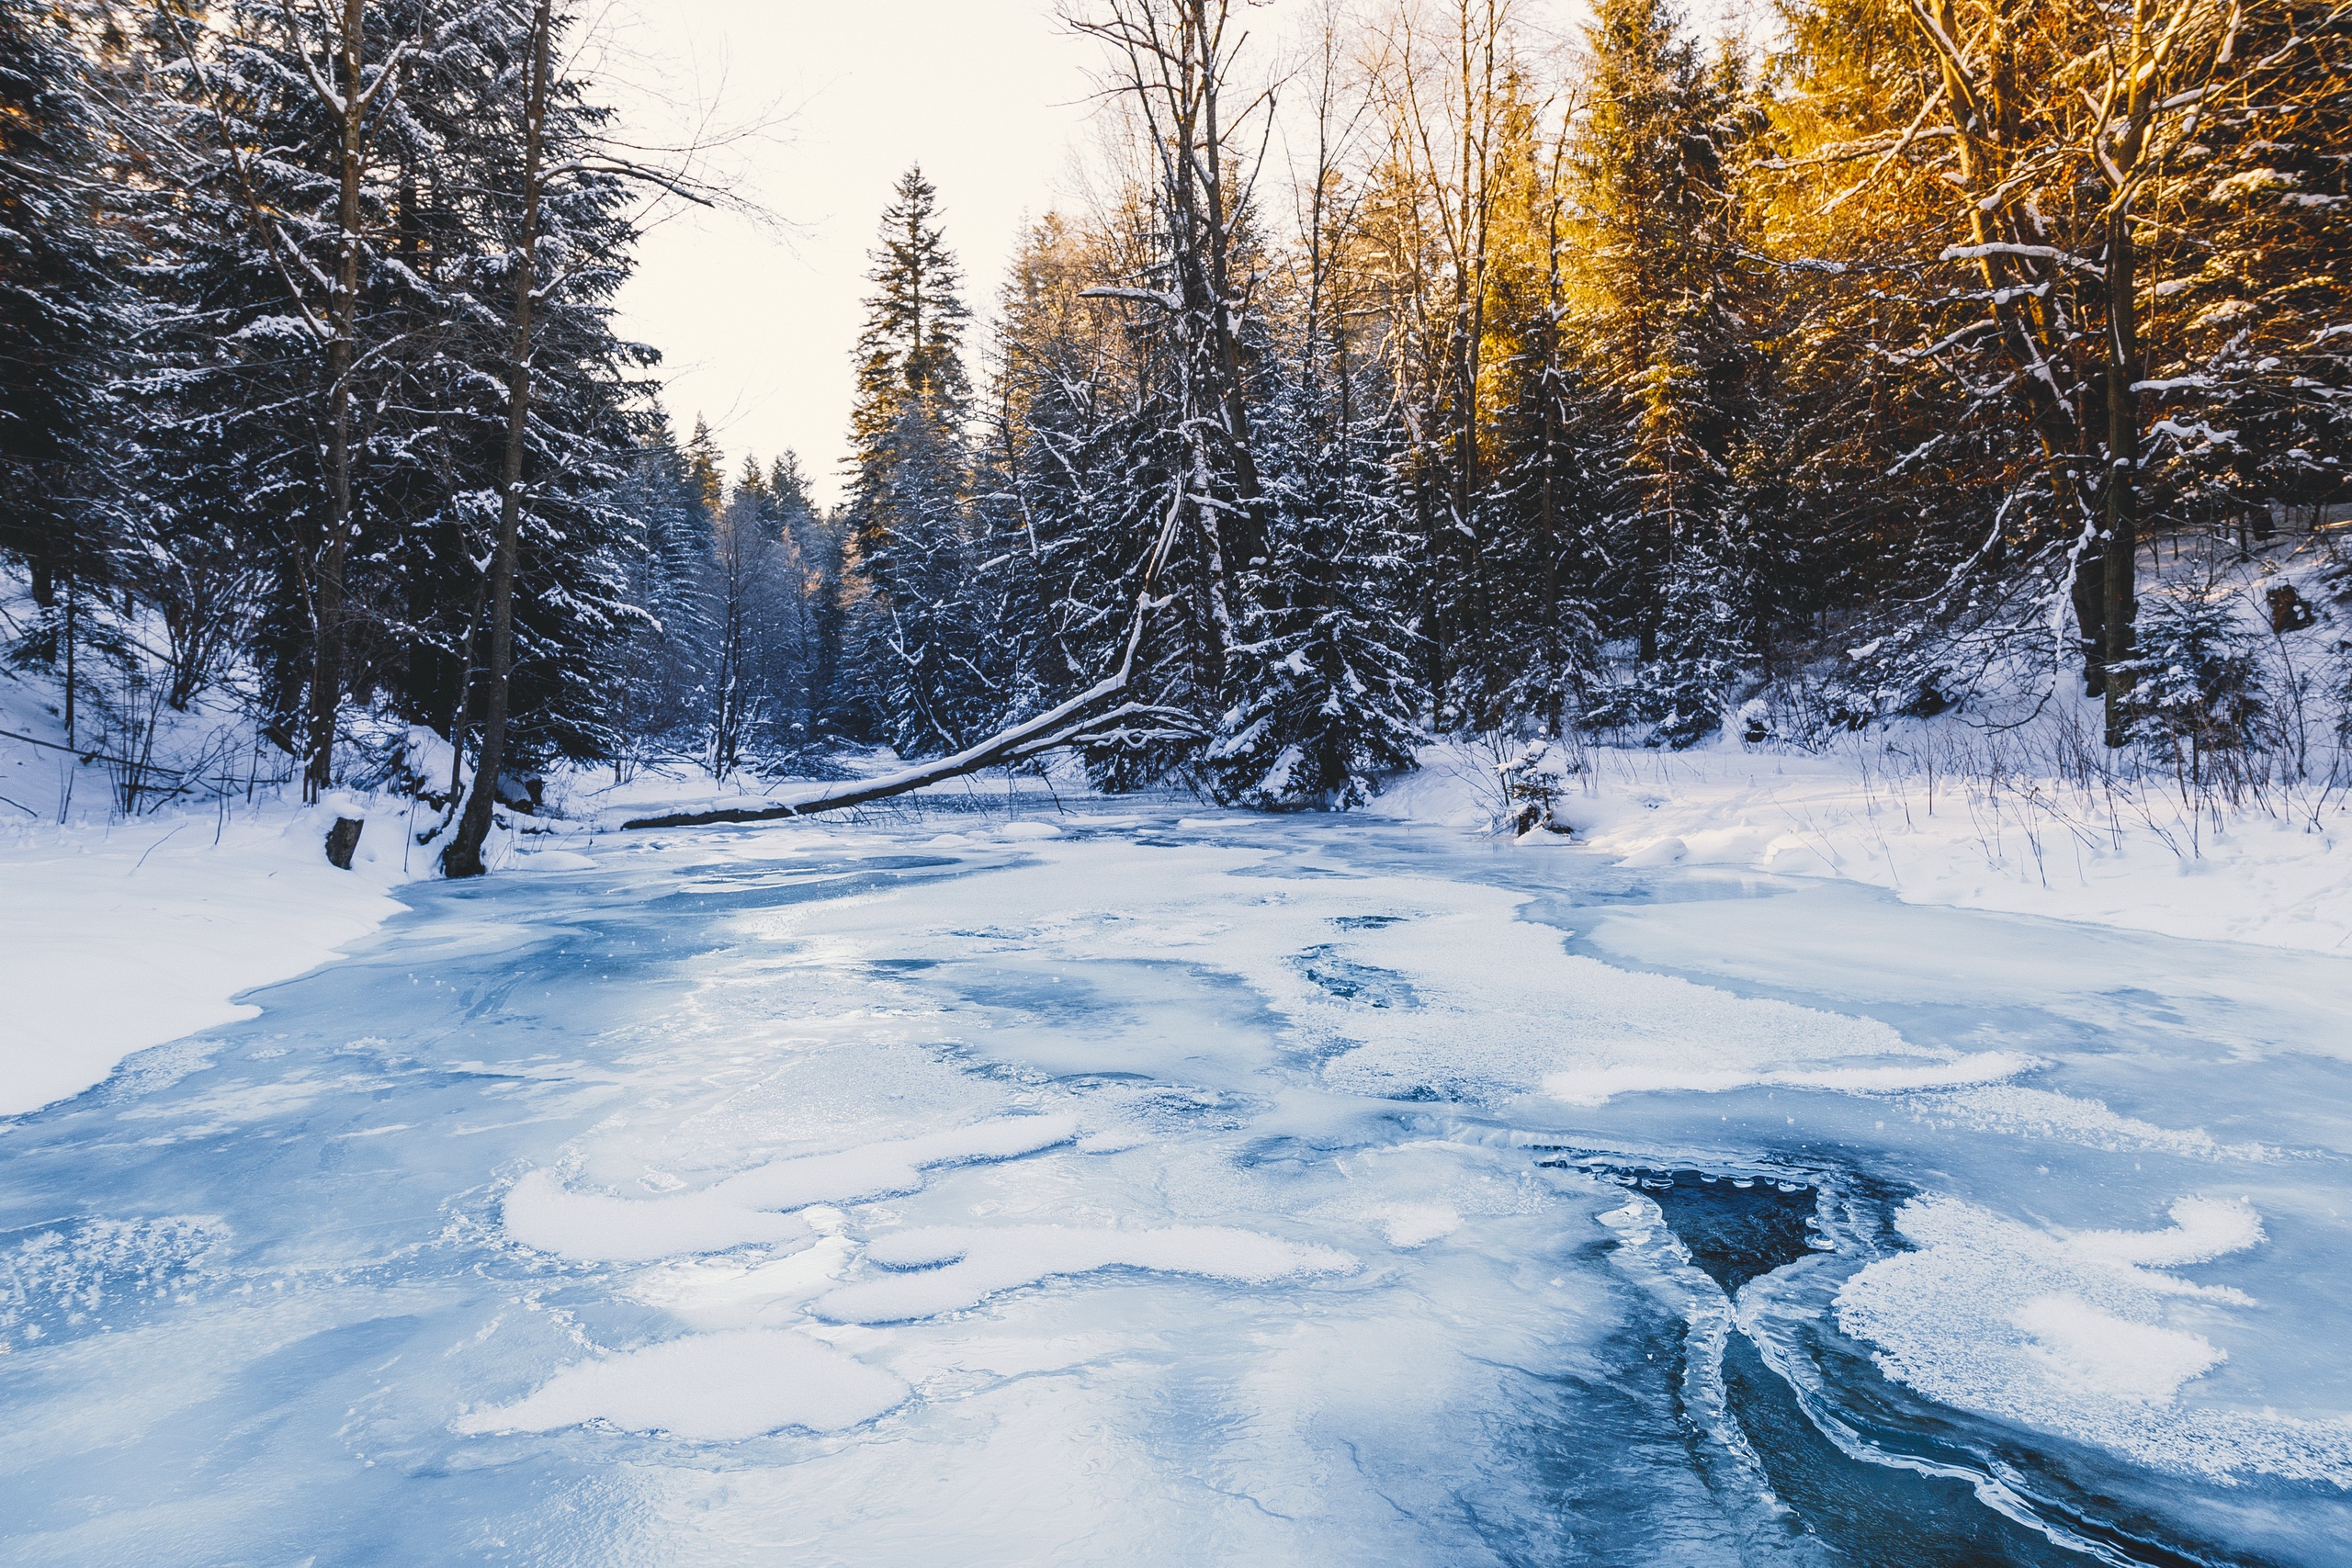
{"type": "Point", "coordinates": [1410, 372]}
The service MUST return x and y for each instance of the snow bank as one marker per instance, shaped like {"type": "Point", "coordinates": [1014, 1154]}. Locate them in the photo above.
{"type": "Point", "coordinates": [1875, 813]}
{"type": "Point", "coordinates": [114, 937]}
{"type": "Point", "coordinates": [714, 1388]}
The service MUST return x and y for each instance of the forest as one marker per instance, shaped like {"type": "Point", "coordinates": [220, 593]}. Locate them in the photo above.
{"type": "Point", "coordinates": [1407, 372]}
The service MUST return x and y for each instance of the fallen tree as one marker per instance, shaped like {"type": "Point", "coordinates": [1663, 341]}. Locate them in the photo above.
{"type": "Point", "coordinates": [1101, 715]}
{"type": "Point", "coordinates": [1071, 724]}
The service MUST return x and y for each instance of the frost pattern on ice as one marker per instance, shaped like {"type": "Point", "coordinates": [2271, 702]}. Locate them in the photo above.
{"type": "Point", "coordinates": [60, 1277]}
{"type": "Point", "coordinates": [2012, 1107]}
{"type": "Point", "coordinates": [2081, 1335]}
{"type": "Point", "coordinates": [962, 1265]}
{"type": "Point", "coordinates": [541, 1213]}
{"type": "Point", "coordinates": [709, 1387]}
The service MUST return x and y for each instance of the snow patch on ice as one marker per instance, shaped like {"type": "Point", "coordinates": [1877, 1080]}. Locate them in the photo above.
{"type": "Point", "coordinates": [957, 1266]}
{"type": "Point", "coordinates": [1415, 1225]}
{"type": "Point", "coordinates": [884, 1170]}
{"type": "Point", "coordinates": [2099, 1353]}
{"type": "Point", "coordinates": [2202, 1229]}
{"type": "Point", "coordinates": [715, 1388]}
{"type": "Point", "coordinates": [2012, 1107]}
{"type": "Point", "coordinates": [1597, 1086]}
{"type": "Point", "coordinates": [593, 1227]}
{"type": "Point", "coordinates": [553, 859]}
{"type": "Point", "coordinates": [2078, 1334]}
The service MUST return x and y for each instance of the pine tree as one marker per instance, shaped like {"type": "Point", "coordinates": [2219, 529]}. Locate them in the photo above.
{"type": "Point", "coordinates": [659, 668]}
{"type": "Point", "coordinates": [1326, 700]}
{"type": "Point", "coordinates": [706, 468]}
{"type": "Point", "coordinates": [1660, 226]}
{"type": "Point", "coordinates": [909, 510]}
{"type": "Point", "coordinates": [62, 311]}
{"type": "Point", "coordinates": [2258, 376]}
{"type": "Point", "coordinates": [1703, 643]}
{"type": "Point", "coordinates": [1057, 512]}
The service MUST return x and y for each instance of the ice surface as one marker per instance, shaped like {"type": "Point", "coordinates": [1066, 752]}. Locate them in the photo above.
{"type": "Point", "coordinates": [1244, 1191]}
{"type": "Point", "coordinates": [1476, 1002]}
{"type": "Point", "coordinates": [712, 1387]}
{"type": "Point", "coordinates": [879, 1171]}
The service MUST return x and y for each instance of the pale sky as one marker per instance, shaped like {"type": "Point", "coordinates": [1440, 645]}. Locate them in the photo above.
{"type": "Point", "coordinates": [756, 325]}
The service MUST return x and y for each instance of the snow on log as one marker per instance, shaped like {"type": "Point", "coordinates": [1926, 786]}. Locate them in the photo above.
{"type": "Point", "coordinates": [1079, 721]}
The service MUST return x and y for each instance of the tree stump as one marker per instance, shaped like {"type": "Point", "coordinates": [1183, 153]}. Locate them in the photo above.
{"type": "Point", "coordinates": [2290, 611]}
{"type": "Point", "coordinates": [341, 839]}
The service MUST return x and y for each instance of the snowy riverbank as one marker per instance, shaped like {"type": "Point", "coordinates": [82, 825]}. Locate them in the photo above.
{"type": "Point", "coordinates": [121, 934]}
{"type": "Point", "coordinates": [116, 937]}
{"type": "Point", "coordinates": [1875, 811]}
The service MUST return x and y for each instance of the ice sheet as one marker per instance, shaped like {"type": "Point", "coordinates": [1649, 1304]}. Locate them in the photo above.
{"type": "Point", "coordinates": [1479, 1003]}
{"type": "Point", "coordinates": [1155, 1194]}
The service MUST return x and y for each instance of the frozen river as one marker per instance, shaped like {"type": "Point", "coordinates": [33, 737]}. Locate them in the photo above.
{"type": "Point", "coordinates": [1150, 1187]}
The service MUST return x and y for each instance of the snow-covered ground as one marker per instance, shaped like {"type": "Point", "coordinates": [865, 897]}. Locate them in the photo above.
{"type": "Point", "coordinates": [1887, 810]}
{"type": "Point", "coordinates": [117, 937]}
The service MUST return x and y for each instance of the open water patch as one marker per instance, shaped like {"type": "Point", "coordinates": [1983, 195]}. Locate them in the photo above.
{"type": "Point", "coordinates": [1863, 1467]}
{"type": "Point", "coordinates": [1364, 984]}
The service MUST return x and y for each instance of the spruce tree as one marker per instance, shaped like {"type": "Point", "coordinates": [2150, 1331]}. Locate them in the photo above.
{"type": "Point", "coordinates": [61, 311]}
{"type": "Point", "coordinates": [1325, 698]}
{"type": "Point", "coordinates": [1661, 228]}
{"type": "Point", "coordinates": [908, 509]}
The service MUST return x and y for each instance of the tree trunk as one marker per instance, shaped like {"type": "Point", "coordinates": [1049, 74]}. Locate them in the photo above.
{"type": "Point", "coordinates": [2122, 543]}
{"type": "Point", "coordinates": [326, 585]}
{"type": "Point", "coordinates": [463, 857]}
